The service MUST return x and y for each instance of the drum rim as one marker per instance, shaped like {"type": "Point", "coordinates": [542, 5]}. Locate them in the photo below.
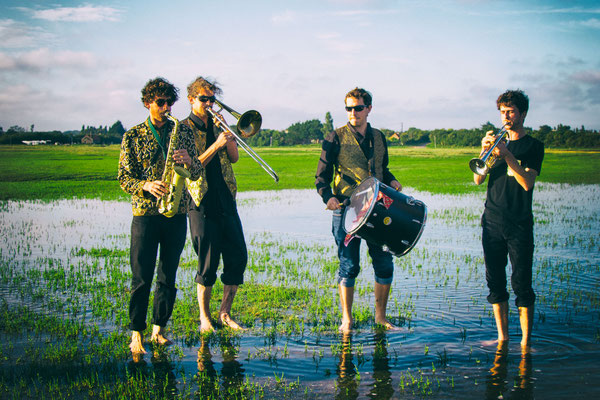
{"type": "Point", "coordinates": [371, 206]}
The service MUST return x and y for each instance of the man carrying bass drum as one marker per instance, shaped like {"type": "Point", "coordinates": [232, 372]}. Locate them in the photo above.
{"type": "Point", "coordinates": [351, 154]}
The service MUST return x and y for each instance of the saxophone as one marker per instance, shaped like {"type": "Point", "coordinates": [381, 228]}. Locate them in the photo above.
{"type": "Point", "coordinates": [173, 175]}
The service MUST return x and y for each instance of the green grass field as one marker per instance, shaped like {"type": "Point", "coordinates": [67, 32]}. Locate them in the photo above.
{"type": "Point", "coordinates": [57, 172]}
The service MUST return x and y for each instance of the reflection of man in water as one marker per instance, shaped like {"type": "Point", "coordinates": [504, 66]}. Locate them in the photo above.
{"type": "Point", "coordinates": [508, 219]}
{"type": "Point", "coordinates": [497, 382]}
{"type": "Point", "coordinates": [232, 372]}
{"type": "Point", "coordinates": [351, 154]}
{"type": "Point", "coordinates": [347, 383]}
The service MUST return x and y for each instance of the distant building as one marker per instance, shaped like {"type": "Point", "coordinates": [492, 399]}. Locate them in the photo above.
{"type": "Point", "coordinates": [35, 142]}
{"type": "Point", "coordinates": [91, 139]}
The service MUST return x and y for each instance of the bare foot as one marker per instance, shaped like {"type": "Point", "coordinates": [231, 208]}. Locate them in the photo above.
{"type": "Point", "coordinates": [136, 346]}
{"type": "Point", "coordinates": [158, 336]}
{"type": "Point", "coordinates": [206, 326]}
{"type": "Point", "coordinates": [386, 324]}
{"type": "Point", "coordinates": [346, 326]}
{"type": "Point", "coordinates": [496, 342]}
{"type": "Point", "coordinates": [525, 348]}
{"type": "Point", "coordinates": [227, 321]}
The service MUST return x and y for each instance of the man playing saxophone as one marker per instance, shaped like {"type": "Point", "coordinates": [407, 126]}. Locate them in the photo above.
{"type": "Point", "coordinates": [215, 225]}
{"type": "Point", "coordinates": [507, 220]}
{"type": "Point", "coordinates": [142, 162]}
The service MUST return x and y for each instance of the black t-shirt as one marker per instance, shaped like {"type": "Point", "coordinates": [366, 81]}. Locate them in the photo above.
{"type": "Point", "coordinates": [505, 197]}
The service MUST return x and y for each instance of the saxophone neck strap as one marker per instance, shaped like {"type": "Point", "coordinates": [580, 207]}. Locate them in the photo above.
{"type": "Point", "coordinates": [159, 139]}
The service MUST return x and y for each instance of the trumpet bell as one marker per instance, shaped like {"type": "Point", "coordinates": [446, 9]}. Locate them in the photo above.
{"type": "Point", "coordinates": [249, 123]}
{"type": "Point", "coordinates": [479, 166]}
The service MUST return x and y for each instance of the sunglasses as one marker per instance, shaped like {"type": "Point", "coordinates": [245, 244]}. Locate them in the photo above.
{"type": "Point", "coordinates": [355, 108]}
{"type": "Point", "coordinates": [161, 102]}
{"type": "Point", "coordinates": [204, 99]}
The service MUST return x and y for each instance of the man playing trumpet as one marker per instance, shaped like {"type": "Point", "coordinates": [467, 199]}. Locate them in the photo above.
{"type": "Point", "coordinates": [142, 161]}
{"type": "Point", "coordinates": [507, 220]}
{"type": "Point", "coordinates": [215, 225]}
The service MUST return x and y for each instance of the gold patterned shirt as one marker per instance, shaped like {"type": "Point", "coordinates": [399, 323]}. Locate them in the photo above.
{"type": "Point", "coordinates": [142, 160]}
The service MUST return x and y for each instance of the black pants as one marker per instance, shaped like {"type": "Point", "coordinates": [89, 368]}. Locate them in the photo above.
{"type": "Point", "coordinates": [216, 236]}
{"type": "Point", "coordinates": [504, 237]}
{"type": "Point", "coordinates": [147, 233]}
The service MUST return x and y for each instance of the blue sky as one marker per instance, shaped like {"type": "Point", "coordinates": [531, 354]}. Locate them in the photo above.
{"type": "Point", "coordinates": [428, 63]}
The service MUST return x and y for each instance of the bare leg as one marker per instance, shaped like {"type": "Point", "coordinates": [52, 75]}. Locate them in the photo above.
{"type": "Point", "coordinates": [382, 293]}
{"type": "Point", "coordinates": [229, 292]}
{"type": "Point", "coordinates": [526, 319]}
{"type": "Point", "coordinates": [501, 316]}
{"type": "Point", "coordinates": [158, 336]}
{"type": "Point", "coordinates": [136, 346]}
{"type": "Point", "coordinates": [346, 300]}
{"type": "Point", "coordinates": [204, 293]}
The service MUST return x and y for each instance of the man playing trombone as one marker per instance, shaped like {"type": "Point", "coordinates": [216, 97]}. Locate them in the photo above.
{"type": "Point", "coordinates": [507, 220]}
{"type": "Point", "coordinates": [215, 225]}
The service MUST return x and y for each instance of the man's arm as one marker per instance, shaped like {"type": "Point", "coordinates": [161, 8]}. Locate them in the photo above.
{"type": "Point", "coordinates": [325, 168]}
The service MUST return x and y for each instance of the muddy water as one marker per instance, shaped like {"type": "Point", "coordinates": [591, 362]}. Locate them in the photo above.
{"type": "Point", "coordinates": [442, 349]}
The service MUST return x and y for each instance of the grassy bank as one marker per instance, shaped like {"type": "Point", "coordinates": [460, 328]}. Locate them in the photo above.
{"type": "Point", "coordinates": [55, 172]}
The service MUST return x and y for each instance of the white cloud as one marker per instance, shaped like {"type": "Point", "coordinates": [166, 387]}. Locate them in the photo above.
{"type": "Point", "coordinates": [46, 59]}
{"type": "Point", "coordinates": [15, 34]}
{"type": "Point", "coordinates": [283, 18]}
{"type": "Point", "coordinates": [591, 23]}
{"type": "Point", "coordinates": [86, 13]}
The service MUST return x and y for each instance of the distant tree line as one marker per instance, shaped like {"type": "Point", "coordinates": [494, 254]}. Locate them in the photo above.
{"type": "Point", "coordinates": [313, 131]}
{"type": "Point", "coordinates": [101, 135]}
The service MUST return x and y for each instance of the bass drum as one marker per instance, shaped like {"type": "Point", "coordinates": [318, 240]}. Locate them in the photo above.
{"type": "Point", "coordinates": [381, 215]}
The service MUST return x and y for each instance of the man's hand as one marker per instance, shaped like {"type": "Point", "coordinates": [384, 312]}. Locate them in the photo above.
{"type": "Point", "coordinates": [181, 156]}
{"type": "Point", "coordinates": [156, 188]}
{"type": "Point", "coordinates": [396, 185]}
{"type": "Point", "coordinates": [333, 204]}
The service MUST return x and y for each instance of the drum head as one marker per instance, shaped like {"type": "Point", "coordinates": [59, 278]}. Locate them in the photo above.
{"type": "Point", "coordinates": [362, 202]}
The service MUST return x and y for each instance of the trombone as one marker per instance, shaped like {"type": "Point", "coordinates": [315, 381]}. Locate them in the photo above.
{"type": "Point", "coordinates": [481, 166]}
{"type": "Point", "coordinates": [248, 125]}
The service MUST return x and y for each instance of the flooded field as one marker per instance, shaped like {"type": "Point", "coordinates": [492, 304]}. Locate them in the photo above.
{"type": "Point", "coordinates": [64, 278]}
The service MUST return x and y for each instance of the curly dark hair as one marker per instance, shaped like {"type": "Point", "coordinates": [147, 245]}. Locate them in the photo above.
{"type": "Point", "coordinates": [514, 98]}
{"type": "Point", "coordinates": [159, 87]}
{"type": "Point", "coordinates": [359, 93]}
{"type": "Point", "coordinates": [203, 83]}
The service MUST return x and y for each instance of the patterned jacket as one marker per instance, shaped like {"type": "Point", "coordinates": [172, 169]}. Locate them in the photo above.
{"type": "Point", "coordinates": [142, 160]}
{"type": "Point", "coordinates": [198, 188]}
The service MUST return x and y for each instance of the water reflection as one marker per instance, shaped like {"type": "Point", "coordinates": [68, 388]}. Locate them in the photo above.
{"type": "Point", "coordinates": [231, 375]}
{"type": "Point", "coordinates": [348, 376]}
{"type": "Point", "coordinates": [159, 374]}
{"type": "Point", "coordinates": [347, 381]}
{"type": "Point", "coordinates": [497, 380]}
{"type": "Point", "coordinates": [382, 376]}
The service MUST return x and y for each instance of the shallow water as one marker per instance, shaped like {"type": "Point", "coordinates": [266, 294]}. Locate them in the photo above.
{"type": "Point", "coordinates": [438, 297]}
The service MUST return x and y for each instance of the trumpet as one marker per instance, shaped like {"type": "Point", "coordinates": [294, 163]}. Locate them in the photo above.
{"type": "Point", "coordinates": [483, 164]}
{"type": "Point", "coordinates": [248, 125]}
{"type": "Point", "coordinates": [173, 175]}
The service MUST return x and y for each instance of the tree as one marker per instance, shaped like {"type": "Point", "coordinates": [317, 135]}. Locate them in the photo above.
{"type": "Point", "coordinates": [328, 125]}
{"type": "Point", "coordinates": [304, 132]}
{"type": "Point", "coordinates": [117, 129]}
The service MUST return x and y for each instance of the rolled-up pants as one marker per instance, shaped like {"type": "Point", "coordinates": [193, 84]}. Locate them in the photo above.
{"type": "Point", "coordinates": [148, 234]}
{"type": "Point", "coordinates": [503, 237]}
